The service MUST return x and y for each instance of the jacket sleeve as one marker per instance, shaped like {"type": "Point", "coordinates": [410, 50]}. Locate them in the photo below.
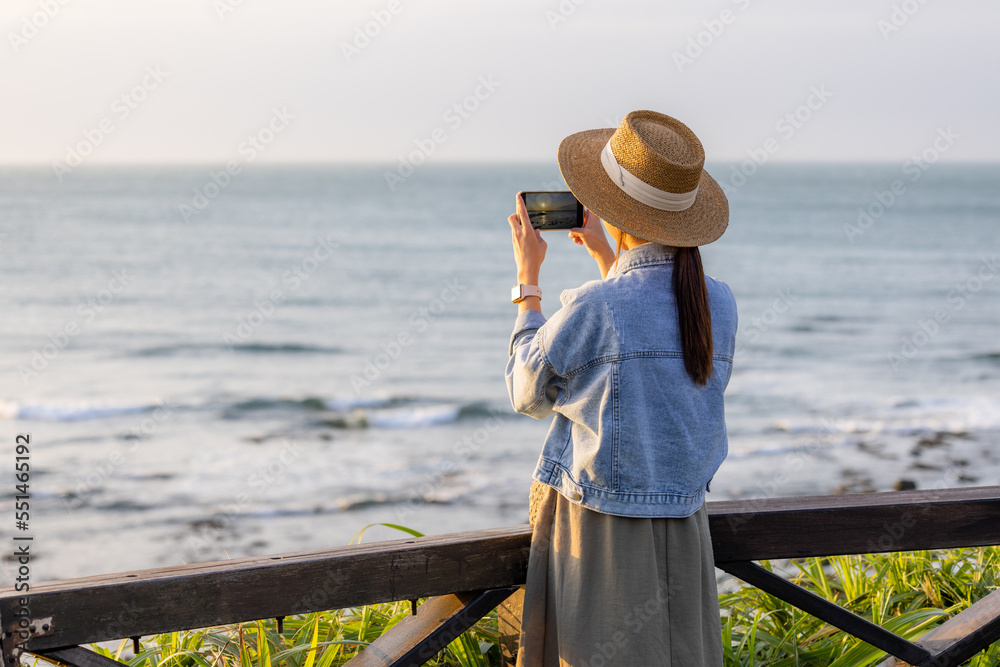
{"type": "Point", "coordinates": [532, 382]}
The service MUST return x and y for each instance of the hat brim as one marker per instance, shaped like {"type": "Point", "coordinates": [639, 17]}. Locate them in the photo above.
{"type": "Point", "coordinates": [580, 164]}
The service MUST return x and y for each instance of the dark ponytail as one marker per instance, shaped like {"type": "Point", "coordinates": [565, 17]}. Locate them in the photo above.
{"type": "Point", "coordinates": [693, 313]}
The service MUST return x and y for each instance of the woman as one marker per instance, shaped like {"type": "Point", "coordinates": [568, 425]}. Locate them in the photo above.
{"type": "Point", "coordinates": [633, 367]}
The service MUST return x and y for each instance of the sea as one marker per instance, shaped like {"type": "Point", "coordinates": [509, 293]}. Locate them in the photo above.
{"type": "Point", "coordinates": [552, 220]}
{"type": "Point", "coordinates": [212, 365]}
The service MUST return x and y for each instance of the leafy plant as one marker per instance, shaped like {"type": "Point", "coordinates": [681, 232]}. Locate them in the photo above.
{"type": "Point", "coordinates": [907, 593]}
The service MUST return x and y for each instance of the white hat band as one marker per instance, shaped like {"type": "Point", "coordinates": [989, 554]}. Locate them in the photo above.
{"type": "Point", "coordinates": [641, 191]}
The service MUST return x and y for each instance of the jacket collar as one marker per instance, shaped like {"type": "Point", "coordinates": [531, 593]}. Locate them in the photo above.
{"type": "Point", "coordinates": [647, 254]}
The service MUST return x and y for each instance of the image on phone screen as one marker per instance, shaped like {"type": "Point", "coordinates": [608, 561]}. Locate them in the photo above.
{"type": "Point", "coordinates": [553, 210]}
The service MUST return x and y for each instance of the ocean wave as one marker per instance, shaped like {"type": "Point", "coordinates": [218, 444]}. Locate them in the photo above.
{"type": "Point", "coordinates": [911, 416]}
{"type": "Point", "coordinates": [259, 404]}
{"type": "Point", "coordinates": [311, 404]}
{"type": "Point", "coordinates": [418, 416]}
{"type": "Point", "coordinates": [477, 409]}
{"type": "Point", "coordinates": [389, 412]}
{"type": "Point", "coordinates": [398, 412]}
{"type": "Point", "coordinates": [348, 503]}
{"type": "Point", "coordinates": [201, 349]}
{"type": "Point", "coordinates": [778, 450]}
{"type": "Point", "coordinates": [424, 415]}
{"type": "Point", "coordinates": [55, 411]}
{"type": "Point", "coordinates": [346, 404]}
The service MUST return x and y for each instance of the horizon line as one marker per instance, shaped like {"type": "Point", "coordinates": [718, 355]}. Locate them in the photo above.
{"type": "Point", "coordinates": [374, 163]}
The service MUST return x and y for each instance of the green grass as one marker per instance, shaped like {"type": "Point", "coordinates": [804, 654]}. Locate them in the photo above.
{"type": "Point", "coordinates": [908, 593]}
{"type": "Point", "coordinates": [321, 639]}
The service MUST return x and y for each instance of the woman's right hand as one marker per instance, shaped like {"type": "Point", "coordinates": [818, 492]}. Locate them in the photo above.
{"type": "Point", "coordinates": [592, 237]}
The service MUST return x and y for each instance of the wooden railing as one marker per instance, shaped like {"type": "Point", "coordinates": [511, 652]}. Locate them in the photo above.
{"type": "Point", "coordinates": [468, 574]}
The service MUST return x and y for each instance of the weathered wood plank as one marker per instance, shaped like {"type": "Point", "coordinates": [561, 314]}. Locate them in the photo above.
{"type": "Point", "coordinates": [961, 636]}
{"type": "Point", "coordinates": [405, 635]}
{"type": "Point", "coordinates": [509, 626]}
{"type": "Point", "coordinates": [200, 595]}
{"type": "Point", "coordinates": [476, 540]}
{"type": "Point", "coordinates": [78, 656]}
{"type": "Point", "coordinates": [855, 500]}
{"type": "Point", "coordinates": [438, 621]}
{"type": "Point", "coordinates": [857, 523]}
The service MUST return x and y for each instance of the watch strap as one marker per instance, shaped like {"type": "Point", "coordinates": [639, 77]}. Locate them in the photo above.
{"type": "Point", "coordinates": [520, 291]}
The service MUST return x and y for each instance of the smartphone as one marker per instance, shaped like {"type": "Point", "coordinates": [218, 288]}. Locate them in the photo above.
{"type": "Point", "coordinates": [553, 210]}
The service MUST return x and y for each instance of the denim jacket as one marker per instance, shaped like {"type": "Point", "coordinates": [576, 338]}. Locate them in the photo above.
{"type": "Point", "coordinates": [633, 435]}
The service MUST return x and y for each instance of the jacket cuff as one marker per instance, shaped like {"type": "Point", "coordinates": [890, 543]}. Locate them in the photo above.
{"type": "Point", "coordinates": [527, 322]}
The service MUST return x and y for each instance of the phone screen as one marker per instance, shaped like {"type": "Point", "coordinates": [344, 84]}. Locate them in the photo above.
{"type": "Point", "coordinates": [553, 210]}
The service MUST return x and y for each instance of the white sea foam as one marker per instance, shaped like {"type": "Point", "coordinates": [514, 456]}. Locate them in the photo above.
{"type": "Point", "coordinates": [425, 415]}
{"type": "Point", "coordinates": [907, 417]}
{"type": "Point", "coordinates": [64, 411]}
{"type": "Point", "coordinates": [347, 404]}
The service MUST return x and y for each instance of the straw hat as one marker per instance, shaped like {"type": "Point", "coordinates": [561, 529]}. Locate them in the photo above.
{"type": "Point", "coordinates": [647, 178]}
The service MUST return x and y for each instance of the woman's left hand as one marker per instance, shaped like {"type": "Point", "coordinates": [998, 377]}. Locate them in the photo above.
{"type": "Point", "coordinates": [529, 246]}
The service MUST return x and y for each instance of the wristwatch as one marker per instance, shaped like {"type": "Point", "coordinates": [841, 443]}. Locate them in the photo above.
{"type": "Point", "coordinates": [518, 292]}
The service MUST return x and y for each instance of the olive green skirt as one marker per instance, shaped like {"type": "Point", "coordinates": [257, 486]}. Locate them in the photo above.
{"type": "Point", "coordinates": [610, 590]}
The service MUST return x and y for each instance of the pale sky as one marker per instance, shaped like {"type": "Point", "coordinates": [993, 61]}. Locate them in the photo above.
{"type": "Point", "coordinates": [191, 80]}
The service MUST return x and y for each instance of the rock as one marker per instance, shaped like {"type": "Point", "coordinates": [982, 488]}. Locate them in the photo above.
{"type": "Point", "coordinates": [862, 485]}
{"type": "Point", "coordinates": [937, 440]}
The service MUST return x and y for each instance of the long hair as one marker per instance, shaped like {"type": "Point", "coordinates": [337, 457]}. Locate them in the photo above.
{"type": "Point", "coordinates": [693, 313]}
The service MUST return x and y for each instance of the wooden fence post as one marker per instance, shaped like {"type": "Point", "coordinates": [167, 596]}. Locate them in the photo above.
{"type": "Point", "coordinates": [509, 622]}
